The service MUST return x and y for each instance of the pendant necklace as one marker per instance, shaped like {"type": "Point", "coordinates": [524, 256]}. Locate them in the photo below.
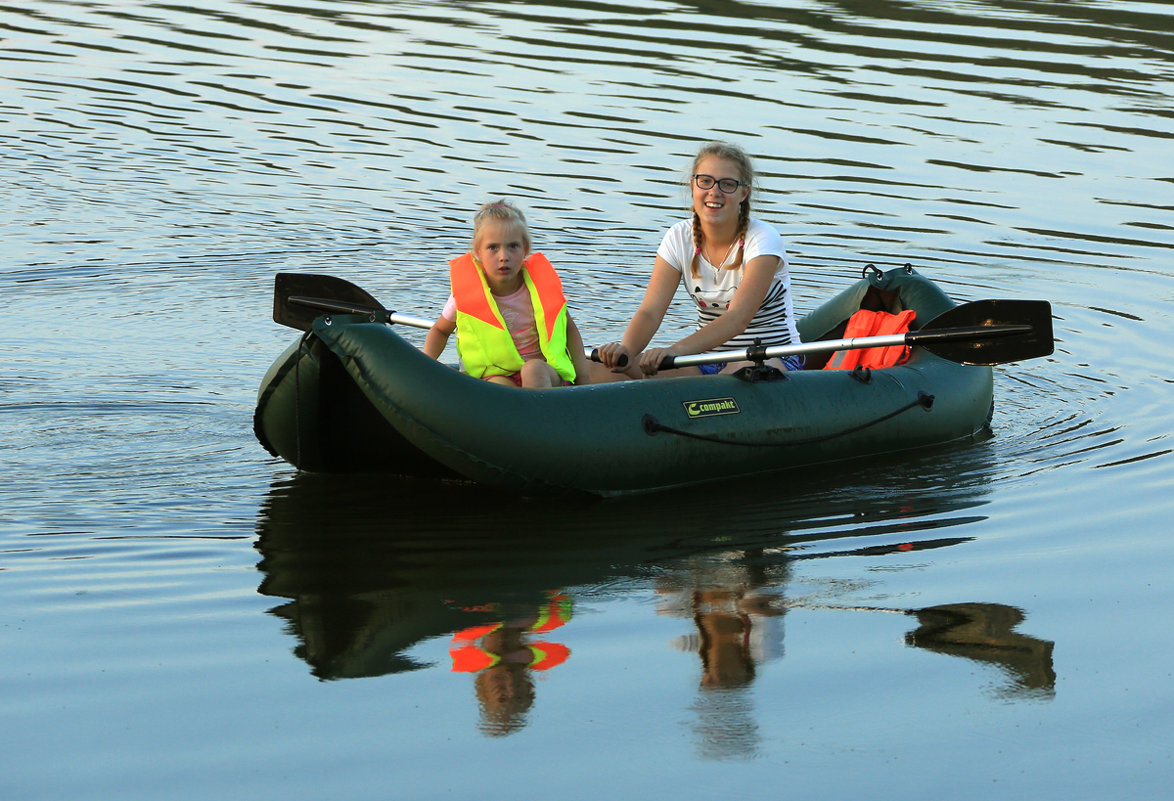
{"type": "Point", "coordinates": [717, 267]}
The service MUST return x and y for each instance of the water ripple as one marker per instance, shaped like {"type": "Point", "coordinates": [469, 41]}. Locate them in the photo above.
{"type": "Point", "coordinates": [157, 148]}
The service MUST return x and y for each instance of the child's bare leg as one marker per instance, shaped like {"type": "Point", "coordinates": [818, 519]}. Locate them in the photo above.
{"type": "Point", "coordinates": [537, 374]}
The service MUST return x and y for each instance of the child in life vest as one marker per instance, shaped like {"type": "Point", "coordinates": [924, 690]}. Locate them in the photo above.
{"type": "Point", "coordinates": [508, 309]}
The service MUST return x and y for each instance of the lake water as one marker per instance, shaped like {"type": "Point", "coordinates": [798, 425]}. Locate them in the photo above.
{"type": "Point", "coordinates": [183, 617]}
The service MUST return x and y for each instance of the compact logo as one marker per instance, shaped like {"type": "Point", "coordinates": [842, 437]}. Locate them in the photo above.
{"type": "Point", "coordinates": [710, 407]}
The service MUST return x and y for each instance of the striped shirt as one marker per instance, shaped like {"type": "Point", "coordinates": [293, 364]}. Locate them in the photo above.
{"type": "Point", "coordinates": [713, 289]}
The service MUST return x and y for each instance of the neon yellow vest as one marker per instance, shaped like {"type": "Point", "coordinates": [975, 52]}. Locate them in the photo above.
{"type": "Point", "coordinates": [484, 343]}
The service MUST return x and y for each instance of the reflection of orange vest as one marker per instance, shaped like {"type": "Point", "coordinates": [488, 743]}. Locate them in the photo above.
{"type": "Point", "coordinates": [484, 343]}
{"type": "Point", "coordinates": [548, 655]}
{"type": "Point", "coordinates": [469, 658]}
{"type": "Point", "coordinates": [556, 613]}
{"type": "Point", "coordinates": [544, 655]}
{"type": "Point", "coordinates": [866, 323]}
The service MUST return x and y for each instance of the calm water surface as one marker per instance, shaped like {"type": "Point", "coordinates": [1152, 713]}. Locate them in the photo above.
{"type": "Point", "coordinates": [184, 617]}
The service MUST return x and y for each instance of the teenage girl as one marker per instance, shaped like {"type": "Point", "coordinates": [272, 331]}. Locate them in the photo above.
{"type": "Point", "coordinates": [733, 266]}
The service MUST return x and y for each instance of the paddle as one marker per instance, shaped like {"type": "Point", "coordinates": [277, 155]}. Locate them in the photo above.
{"type": "Point", "coordinates": [299, 299]}
{"type": "Point", "coordinates": [982, 332]}
{"type": "Point", "coordinates": [295, 304]}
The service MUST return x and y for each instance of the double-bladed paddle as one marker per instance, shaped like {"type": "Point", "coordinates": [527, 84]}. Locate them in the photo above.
{"type": "Point", "coordinates": [983, 332]}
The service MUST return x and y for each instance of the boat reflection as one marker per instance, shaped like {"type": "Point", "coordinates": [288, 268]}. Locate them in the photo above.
{"type": "Point", "coordinates": [370, 568]}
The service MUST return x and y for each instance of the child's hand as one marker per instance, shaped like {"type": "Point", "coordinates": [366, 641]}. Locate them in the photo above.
{"type": "Point", "coordinates": [614, 356]}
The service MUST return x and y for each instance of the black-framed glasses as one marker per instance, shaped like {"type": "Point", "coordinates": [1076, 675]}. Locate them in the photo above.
{"type": "Point", "coordinates": [727, 185]}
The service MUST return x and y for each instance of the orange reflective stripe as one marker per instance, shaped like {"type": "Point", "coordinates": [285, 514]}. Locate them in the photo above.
{"type": "Point", "coordinates": [471, 292]}
{"type": "Point", "coordinates": [550, 291]}
{"type": "Point", "coordinates": [866, 323]}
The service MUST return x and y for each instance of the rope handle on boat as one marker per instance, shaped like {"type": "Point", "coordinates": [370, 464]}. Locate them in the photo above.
{"type": "Point", "coordinates": [879, 273]}
{"type": "Point", "coordinates": [652, 426]}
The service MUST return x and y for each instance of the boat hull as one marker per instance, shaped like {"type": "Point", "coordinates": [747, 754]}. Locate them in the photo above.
{"type": "Point", "coordinates": [355, 396]}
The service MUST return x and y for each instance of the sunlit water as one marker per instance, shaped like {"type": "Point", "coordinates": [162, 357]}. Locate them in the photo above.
{"type": "Point", "coordinates": [184, 617]}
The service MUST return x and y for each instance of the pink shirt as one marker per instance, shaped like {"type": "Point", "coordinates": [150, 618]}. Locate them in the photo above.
{"type": "Point", "coordinates": [518, 312]}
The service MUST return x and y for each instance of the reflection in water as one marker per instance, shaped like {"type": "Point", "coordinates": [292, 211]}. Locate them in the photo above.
{"type": "Point", "coordinates": [503, 656]}
{"type": "Point", "coordinates": [737, 608]}
{"type": "Point", "coordinates": [372, 568]}
{"type": "Point", "coordinates": [736, 603]}
{"type": "Point", "coordinates": [984, 633]}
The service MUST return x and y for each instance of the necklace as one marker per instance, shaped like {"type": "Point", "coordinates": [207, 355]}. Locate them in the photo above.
{"type": "Point", "coordinates": [716, 266]}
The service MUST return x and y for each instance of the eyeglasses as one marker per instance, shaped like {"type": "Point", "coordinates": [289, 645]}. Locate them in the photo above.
{"type": "Point", "coordinates": [728, 185]}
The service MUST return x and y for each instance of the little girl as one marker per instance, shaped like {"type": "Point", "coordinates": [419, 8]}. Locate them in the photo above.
{"type": "Point", "coordinates": [508, 309]}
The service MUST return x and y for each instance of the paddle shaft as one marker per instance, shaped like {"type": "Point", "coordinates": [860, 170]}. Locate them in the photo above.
{"type": "Point", "coordinates": [377, 315]}
{"type": "Point", "coordinates": [982, 332]}
{"type": "Point", "coordinates": [385, 316]}
{"type": "Point", "coordinates": [852, 343]}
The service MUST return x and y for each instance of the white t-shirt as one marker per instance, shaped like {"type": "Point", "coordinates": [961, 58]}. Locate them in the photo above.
{"type": "Point", "coordinates": [518, 312]}
{"type": "Point", "coordinates": [713, 289]}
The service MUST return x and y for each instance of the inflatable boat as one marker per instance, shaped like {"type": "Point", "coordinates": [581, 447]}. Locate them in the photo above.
{"type": "Point", "coordinates": [352, 395]}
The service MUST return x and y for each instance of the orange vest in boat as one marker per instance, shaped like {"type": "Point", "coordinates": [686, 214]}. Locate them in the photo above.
{"type": "Point", "coordinates": [866, 323]}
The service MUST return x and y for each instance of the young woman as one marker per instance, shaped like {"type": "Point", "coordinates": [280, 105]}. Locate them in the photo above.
{"type": "Point", "coordinates": [733, 266]}
{"type": "Point", "coordinates": [508, 309]}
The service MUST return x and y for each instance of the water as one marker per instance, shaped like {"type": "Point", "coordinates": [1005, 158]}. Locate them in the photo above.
{"type": "Point", "coordinates": [185, 617]}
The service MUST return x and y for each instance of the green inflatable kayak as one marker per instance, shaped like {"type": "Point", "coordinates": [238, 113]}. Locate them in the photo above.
{"type": "Point", "coordinates": [353, 396]}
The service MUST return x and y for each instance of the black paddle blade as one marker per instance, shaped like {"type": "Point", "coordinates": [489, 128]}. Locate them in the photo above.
{"type": "Point", "coordinates": [989, 332]}
{"type": "Point", "coordinates": [301, 316]}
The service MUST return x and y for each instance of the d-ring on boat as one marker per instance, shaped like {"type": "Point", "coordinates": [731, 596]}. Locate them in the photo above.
{"type": "Point", "coordinates": [351, 395]}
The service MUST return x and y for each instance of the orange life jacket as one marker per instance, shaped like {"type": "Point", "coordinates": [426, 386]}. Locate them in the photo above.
{"type": "Point", "coordinates": [484, 343]}
{"type": "Point", "coordinates": [866, 323]}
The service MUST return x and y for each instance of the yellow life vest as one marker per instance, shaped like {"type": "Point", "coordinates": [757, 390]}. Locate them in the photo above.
{"type": "Point", "coordinates": [483, 341]}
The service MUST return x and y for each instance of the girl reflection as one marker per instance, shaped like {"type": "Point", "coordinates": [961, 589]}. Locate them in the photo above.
{"type": "Point", "coordinates": [504, 656]}
{"type": "Point", "coordinates": [737, 612]}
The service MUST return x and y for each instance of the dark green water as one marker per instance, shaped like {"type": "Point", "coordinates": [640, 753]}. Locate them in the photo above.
{"type": "Point", "coordinates": [184, 617]}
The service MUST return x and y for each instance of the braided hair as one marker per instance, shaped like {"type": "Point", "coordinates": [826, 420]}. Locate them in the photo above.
{"type": "Point", "coordinates": [729, 152]}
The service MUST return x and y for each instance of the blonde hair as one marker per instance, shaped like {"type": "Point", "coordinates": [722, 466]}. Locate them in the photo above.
{"type": "Point", "coordinates": [502, 211]}
{"type": "Point", "coordinates": [729, 152]}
